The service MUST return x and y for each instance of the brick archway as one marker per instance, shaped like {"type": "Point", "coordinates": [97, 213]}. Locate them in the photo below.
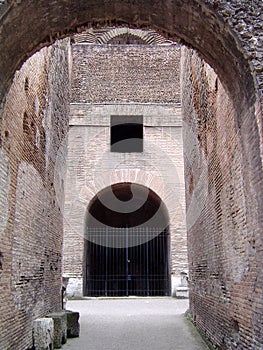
{"type": "Point", "coordinates": [128, 223]}
{"type": "Point", "coordinates": [148, 37]}
{"type": "Point", "coordinates": [202, 24]}
{"type": "Point", "coordinates": [216, 30]}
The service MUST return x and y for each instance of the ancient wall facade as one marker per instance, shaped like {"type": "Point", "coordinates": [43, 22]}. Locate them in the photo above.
{"type": "Point", "coordinates": [33, 127]}
{"type": "Point", "coordinates": [223, 258]}
{"type": "Point", "coordinates": [123, 80]}
{"type": "Point", "coordinates": [117, 73]}
{"type": "Point", "coordinates": [228, 34]}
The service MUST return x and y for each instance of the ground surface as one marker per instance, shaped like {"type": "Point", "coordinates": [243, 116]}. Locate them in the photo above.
{"type": "Point", "coordinates": [134, 324]}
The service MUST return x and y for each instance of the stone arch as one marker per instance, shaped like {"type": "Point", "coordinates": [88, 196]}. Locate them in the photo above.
{"type": "Point", "coordinates": [215, 29]}
{"type": "Point", "coordinates": [85, 194]}
{"type": "Point", "coordinates": [123, 192]}
{"type": "Point", "coordinates": [129, 221]}
{"type": "Point", "coordinates": [76, 216]}
{"type": "Point", "coordinates": [205, 25]}
{"type": "Point", "coordinates": [105, 36]}
{"type": "Point", "coordinates": [138, 176]}
{"type": "Point", "coordinates": [149, 37]}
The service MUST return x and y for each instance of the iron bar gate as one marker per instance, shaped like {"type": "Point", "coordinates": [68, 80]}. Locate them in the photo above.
{"type": "Point", "coordinates": [127, 261]}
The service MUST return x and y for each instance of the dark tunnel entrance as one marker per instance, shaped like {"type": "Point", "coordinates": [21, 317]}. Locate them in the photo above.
{"type": "Point", "coordinates": [127, 243]}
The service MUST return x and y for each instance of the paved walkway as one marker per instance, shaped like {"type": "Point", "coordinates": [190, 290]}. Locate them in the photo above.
{"type": "Point", "coordinates": [134, 324]}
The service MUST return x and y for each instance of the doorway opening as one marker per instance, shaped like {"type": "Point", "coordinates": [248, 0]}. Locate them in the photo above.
{"type": "Point", "coordinates": [127, 243]}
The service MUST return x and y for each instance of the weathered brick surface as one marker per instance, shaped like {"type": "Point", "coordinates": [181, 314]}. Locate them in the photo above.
{"type": "Point", "coordinates": [125, 74]}
{"type": "Point", "coordinates": [223, 243]}
{"type": "Point", "coordinates": [92, 167]}
{"type": "Point", "coordinates": [228, 34]}
{"type": "Point", "coordinates": [33, 126]}
{"type": "Point", "coordinates": [224, 31]}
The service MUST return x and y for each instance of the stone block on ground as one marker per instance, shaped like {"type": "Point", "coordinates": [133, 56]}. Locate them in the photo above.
{"type": "Point", "coordinates": [72, 324]}
{"type": "Point", "coordinates": [43, 333]}
{"type": "Point", "coordinates": [60, 328]}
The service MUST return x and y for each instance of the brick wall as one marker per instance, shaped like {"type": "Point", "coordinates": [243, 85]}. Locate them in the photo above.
{"type": "Point", "coordinates": [92, 167]}
{"type": "Point", "coordinates": [224, 31]}
{"type": "Point", "coordinates": [222, 239]}
{"type": "Point", "coordinates": [125, 74]}
{"type": "Point", "coordinates": [227, 33]}
{"type": "Point", "coordinates": [146, 80]}
{"type": "Point", "coordinates": [33, 126]}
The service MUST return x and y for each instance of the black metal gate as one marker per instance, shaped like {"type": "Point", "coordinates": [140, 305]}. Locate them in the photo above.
{"type": "Point", "coordinates": [127, 261]}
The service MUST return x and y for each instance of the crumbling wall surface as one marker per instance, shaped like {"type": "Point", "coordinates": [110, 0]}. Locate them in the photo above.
{"type": "Point", "coordinates": [223, 213]}
{"type": "Point", "coordinates": [118, 73]}
{"type": "Point", "coordinates": [33, 127]}
{"type": "Point", "coordinates": [225, 31]}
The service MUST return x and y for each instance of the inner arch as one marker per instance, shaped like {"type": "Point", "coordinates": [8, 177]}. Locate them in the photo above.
{"type": "Point", "coordinates": [127, 253]}
{"type": "Point", "coordinates": [134, 205]}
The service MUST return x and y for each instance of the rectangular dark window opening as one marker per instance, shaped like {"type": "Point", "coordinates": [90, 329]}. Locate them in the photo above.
{"type": "Point", "coordinates": [126, 134]}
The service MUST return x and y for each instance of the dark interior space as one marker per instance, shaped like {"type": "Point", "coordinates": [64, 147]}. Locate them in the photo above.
{"type": "Point", "coordinates": [127, 253]}
{"type": "Point", "coordinates": [127, 205]}
{"type": "Point", "coordinates": [126, 134]}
